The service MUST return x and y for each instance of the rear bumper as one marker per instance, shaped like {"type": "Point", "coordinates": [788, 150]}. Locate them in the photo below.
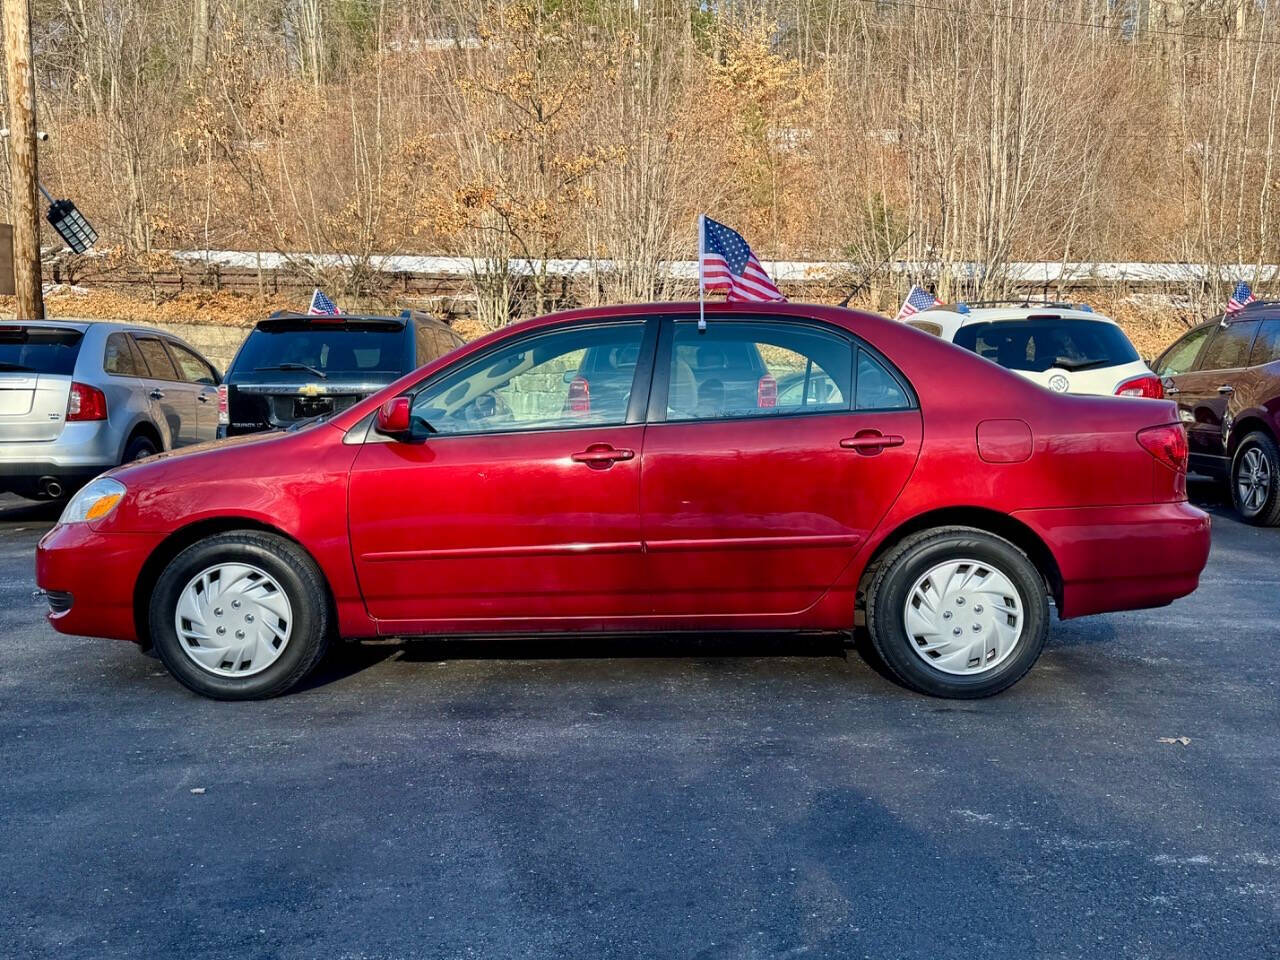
{"type": "Point", "coordinates": [98, 571]}
{"type": "Point", "coordinates": [1123, 558]}
{"type": "Point", "coordinates": [80, 453]}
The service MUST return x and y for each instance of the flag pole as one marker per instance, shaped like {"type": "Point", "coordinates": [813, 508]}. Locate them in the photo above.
{"type": "Point", "coordinates": [702, 313]}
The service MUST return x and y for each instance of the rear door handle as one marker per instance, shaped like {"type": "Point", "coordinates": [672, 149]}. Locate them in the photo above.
{"type": "Point", "coordinates": [1171, 391]}
{"type": "Point", "coordinates": [203, 398]}
{"type": "Point", "coordinates": [602, 455]}
{"type": "Point", "coordinates": [1226, 388]}
{"type": "Point", "coordinates": [156, 394]}
{"type": "Point", "coordinates": [871, 441]}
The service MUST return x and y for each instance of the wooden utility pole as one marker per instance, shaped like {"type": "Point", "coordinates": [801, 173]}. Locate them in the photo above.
{"type": "Point", "coordinates": [22, 159]}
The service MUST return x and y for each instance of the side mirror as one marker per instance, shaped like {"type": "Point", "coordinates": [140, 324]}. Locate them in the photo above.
{"type": "Point", "coordinates": [396, 420]}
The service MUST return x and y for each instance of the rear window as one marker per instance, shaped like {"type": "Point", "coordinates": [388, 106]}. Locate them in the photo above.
{"type": "Point", "coordinates": [39, 349]}
{"type": "Point", "coordinates": [332, 349]}
{"type": "Point", "coordinates": [1039, 343]}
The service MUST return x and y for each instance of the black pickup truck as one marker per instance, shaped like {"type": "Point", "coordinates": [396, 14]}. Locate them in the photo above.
{"type": "Point", "coordinates": [296, 366]}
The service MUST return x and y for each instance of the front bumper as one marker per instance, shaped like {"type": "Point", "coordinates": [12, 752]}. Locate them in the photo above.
{"type": "Point", "coordinates": [98, 571]}
{"type": "Point", "coordinates": [1123, 558]}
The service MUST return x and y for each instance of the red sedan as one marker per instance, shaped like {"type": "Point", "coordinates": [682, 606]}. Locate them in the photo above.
{"type": "Point", "coordinates": [789, 468]}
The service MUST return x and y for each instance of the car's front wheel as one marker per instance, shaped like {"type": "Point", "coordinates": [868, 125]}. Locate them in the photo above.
{"type": "Point", "coordinates": [240, 616]}
{"type": "Point", "coordinates": [1255, 480]}
{"type": "Point", "coordinates": [957, 612]}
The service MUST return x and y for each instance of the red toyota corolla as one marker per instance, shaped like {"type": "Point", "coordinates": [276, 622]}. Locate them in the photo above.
{"type": "Point", "coordinates": [789, 468]}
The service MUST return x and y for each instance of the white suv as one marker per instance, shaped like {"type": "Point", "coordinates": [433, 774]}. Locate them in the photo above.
{"type": "Point", "coordinates": [1065, 347]}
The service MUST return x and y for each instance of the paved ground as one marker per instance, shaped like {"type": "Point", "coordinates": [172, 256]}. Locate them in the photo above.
{"type": "Point", "coordinates": [722, 799]}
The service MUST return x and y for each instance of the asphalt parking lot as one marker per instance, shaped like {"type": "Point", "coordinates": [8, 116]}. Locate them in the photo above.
{"type": "Point", "coordinates": [659, 798]}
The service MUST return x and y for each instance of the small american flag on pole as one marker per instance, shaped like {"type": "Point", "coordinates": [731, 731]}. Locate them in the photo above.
{"type": "Point", "coordinates": [918, 298]}
{"type": "Point", "coordinates": [322, 306]}
{"type": "Point", "coordinates": [725, 262]}
{"type": "Point", "coordinates": [1241, 297]}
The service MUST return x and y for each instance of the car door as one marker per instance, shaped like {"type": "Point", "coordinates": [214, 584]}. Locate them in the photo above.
{"type": "Point", "coordinates": [522, 510]}
{"type": "Point", "coordinates": [201, 380]}
{"type": "Point", "coordinates": [1205, 392]}
{"type": "Point", "coordinates": [755, 506]}
{"type": "Point", "coordinates": [171, 402]}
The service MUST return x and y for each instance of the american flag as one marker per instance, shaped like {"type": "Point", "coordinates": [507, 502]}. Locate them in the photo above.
{"type": "Point", "coordinates": [725, 262]}
{"type": "Point", "coordinates": [1241, 297]}
{"type": "Point", "coordinates": [322, 306]}
{"type": "Point", "coordinates": [918, 298]}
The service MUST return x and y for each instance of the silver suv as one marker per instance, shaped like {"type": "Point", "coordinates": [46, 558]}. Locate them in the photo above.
{"type": "Point", "coordinates": [77, 398]}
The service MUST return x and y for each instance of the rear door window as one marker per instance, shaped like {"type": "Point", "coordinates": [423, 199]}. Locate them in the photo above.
{"type": "Point", "coordinates": [1037, 344]}
{"type": "Point", "coordinates": [756, 369]}
{"type": "Point", "coordinates": [876, 388]}
{"type": "Point", "coordinates": [1229, 347]}
{"type": "Point", "coordinates": [1266, 348]}
{"type": "Point", "coordinates": [51, 350]}
{"type": "Point", "coordinates": [118, 357]}
{"type": "Point", "coordinates": [159, 366]}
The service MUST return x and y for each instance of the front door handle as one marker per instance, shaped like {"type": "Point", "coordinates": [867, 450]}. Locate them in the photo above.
{"type": "Point", "coordinates": [156, 394]}
{"type": "Point", "coordinates": [602, 455]}
{"type": "Point", "coordinates": [1226, 389]}
{"type": "Point", "coordinates": [871, 441]}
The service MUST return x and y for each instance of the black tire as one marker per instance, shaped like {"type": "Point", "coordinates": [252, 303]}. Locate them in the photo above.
{"type": "Point", "coordinates": [1265, 513]}
{"type": "Point", "coordinates": [139, 447]}
{"type": "Point", "coordinates": [895, 577]}
{"type": "Point", "coordinates": [300, 580]}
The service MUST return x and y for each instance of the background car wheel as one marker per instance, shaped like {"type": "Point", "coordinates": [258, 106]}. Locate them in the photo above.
{"type": "Point", "coordinates": [139, 447]}
{"type": "Point", "coordinates": [957, 612]}
{"type": "Point", "coordinates": [240, 616]}
{"type": "Point", "coordinates": [1255, 480]}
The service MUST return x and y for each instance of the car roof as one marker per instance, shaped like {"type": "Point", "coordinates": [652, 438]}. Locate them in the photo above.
{"type": "Point", "coordinates": [400, 320]}
{"type": "Point", "coordinates": [1250, 311]}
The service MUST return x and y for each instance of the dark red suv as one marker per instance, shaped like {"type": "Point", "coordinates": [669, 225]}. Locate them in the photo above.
{"type": "Point", "coordinates": [1225, 377]}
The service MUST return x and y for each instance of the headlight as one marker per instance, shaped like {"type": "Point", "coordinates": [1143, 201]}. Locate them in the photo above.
{"type": "Point", "coordinates": [94, 501]}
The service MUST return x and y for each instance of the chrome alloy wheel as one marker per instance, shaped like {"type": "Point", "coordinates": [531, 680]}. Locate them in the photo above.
{"type": "Point", "coordinates": [964, 617]}
{"type": "Point", "coordinates": [233, 620]}
{"type": "Point", "coordinates": [1253, 479]}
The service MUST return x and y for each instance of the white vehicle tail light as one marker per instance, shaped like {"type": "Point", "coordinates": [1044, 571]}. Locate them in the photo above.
{"type": "Point", "coordinates": [86, 403]}
{"type": "Point", "coordinates": [1146, 385]}
{"type": "Point", "coordinates": [224, 414]}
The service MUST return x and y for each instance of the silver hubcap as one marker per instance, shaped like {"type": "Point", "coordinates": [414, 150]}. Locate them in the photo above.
{"type": "Point", "coordinates": [1253, 479]}
{"type": "Point", "coordinates": [233, 620]}
{"type": "Point", "coordinates": [964, 617]}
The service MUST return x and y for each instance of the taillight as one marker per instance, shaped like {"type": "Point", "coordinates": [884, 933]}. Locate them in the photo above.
{"type": "Point", "coordinates": [579, 395]}
{"type": "Point", "coordinates": [1168, 444]}
{"type": "Point", "coordinates": [767, 392]}
{"type": "Point", "coordinates": [224, 413]}
{"type": "Point", "coordinates": [1143, 386]}
{"type": "Point", "coordinates": [86, 403]}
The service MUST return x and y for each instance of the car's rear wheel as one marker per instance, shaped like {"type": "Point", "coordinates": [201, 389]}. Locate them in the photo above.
{"type": "Point", "coordinates": [139, 447]}
{"type": "Point", "coordinates": [1255, 480]}
{"type": "Point", "coordinates": [240, 616]}
{"type": "Point", "coordinates": [957, 612]}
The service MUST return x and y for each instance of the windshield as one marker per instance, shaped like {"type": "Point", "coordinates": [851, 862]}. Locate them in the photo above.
{"type": "Point", "coordinates": [328, 350]}
{"type": "Point", "coordinates": [39, 349]}
{"type": "Point", "coordinates": [1038, 343]}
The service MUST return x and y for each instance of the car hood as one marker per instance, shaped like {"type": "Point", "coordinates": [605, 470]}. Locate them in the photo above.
{"type": "Point", "coordinates": [212, 448]}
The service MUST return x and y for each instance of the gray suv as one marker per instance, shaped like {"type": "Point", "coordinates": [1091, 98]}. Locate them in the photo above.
{"type": "Point", "coordinates": [78, 398]}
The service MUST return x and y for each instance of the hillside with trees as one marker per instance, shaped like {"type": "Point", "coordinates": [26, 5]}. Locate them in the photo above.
{"type": "Point", "coordinates": [863, 130]}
